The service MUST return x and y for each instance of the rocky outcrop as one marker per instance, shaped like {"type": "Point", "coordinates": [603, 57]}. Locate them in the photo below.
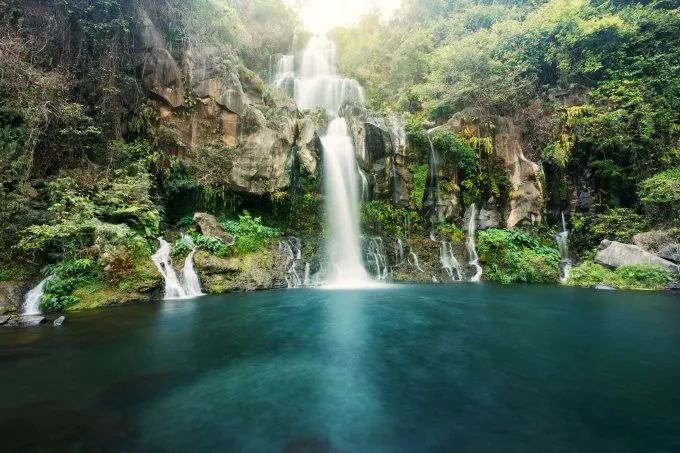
{"type": "Point", "coordinates": [12, 295]}
{"type": "Point", "coordinates": [264, 269]}
{"type": "Point", "coordinates": [527, 197]}
{"type": "Point", "coordinates": [665, 243]}
{"type": "Point", "coordinates": [161, 75]}
{"type": "Point", "coordinates": [614, 254]}
{"type": "Point", "coordinates": [210, 226]}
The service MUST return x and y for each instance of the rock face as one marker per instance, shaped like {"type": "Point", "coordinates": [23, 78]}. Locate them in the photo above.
{"type": "Point", "coordinates": [527, 199]}
{"type": "Point", "coordinates": [12, 295]}
{"type": "Point", "coordinates": [264, 269]}
{"type": "Point", "coordinates": [210, 226]}
{"type": "Point", "coordinates": [614, 254]}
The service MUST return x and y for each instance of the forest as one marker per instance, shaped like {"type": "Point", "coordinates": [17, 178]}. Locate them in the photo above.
{"type": "Point", "coordinates": [119, 119]}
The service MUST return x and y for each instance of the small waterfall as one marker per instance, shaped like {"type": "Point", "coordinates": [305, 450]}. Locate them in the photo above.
{"type": "Point", "coordinates": [376, 257]}
{"type": "Point", "coordinates": [292, 249]}
{"type": "Point", "coordinates": [562, 239]}
{"type": "Point", "coordinates": [397, 132]}
{"type": "Point", "coordinates": [433, 182]}
{"type": "Point", "coordinates": [414, 262]}
{"type": "Point", "coordinates": [190, 281]}
{"type": "Point", "coordinates": [471, 246]}
{"type": "Point", "coordinates": [399, 252]}
{"type": "Point", "coordinates": [32, 299]}
{"type": "Point", "coordinates": [189, 286]}
{"type": "Point", "coordinates": [449, 262]}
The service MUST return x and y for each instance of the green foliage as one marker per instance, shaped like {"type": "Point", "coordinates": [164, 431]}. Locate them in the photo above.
{"type": "Point", "coordinates": [382, 218]}
{"type": "Point", "coordinates": [661, 193]}
{"type": "Point", "coordinates": [642, 276]}
{"type": "Point", "coordinates": [182, 247]}
{"type": "Point", "coordinates": [511, 256]}
{"type": "Point", "coordinates": [419, 182]}
{"type": "Point", "coordinates": [250, 234]}
{"type": "Point", "coordinates": [615, 224]}
{"type": "Point", "coordinates": [58, 295]}
{"type": "Point", "coordinates": [212, 244]}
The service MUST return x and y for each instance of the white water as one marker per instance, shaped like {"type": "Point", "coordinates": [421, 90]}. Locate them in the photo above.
{"type": "Point", "coordinates": [190, 281]}
{"type": "Point", "coordinates": [562, 239]}
{"type": "Point", "coordinates": [190, 286]}
{"type": "Point", "coordinates": [433, 180]}
{"type": "Point", "coordinates": [471, 245]}
{"type": "Point", "coordinates": [32, 299]}
{"type": "Point", "coordinates": [317, 84]}
{"type": "Point", "coordinates": [449, 262]}
{"type": "Point", "coordinates": [415, 262]}
{"type": "Point", "coordinates": [376, 258]}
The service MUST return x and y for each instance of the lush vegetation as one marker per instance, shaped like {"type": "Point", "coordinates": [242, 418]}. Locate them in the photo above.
{"type": "Point", "coordinates": [251, 235]}
{"type": "Point", "coordinates": [641, 276]}
{"type": "Point", "coordinates": [510, 256]}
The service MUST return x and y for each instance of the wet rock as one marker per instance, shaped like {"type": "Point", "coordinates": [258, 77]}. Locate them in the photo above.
{"type": "Point", "coordinates": [264, 269]}
{"type": "Point", "coordinates": [674, 286]}
{"type": "Point", "coordinates": [4, 319]}
{"type": "Point", "coordinates": [614, 254]}
{"type": "Point", "coordinates": [59, 321]}
{"type": "Point", "coordinates": [604, 287]}
{"type": "Point", "coordinates": [210, 226]}
{"type": "Point", "coordinates": [309, 146]}
{"type": "Point", "coordinates": [25, 321]}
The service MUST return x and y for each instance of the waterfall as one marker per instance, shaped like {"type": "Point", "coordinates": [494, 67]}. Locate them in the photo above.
{"type": "Point", "coordinates": [562, 239]}
{"type": "Point", "coordinates": [399, 252]}
{"type": "Point", "coordinates": [471, 246]}
{"type": "Point", "coordinates": [415, 261]}
{"type": "Point", "coordinates": [32, 300]}
{"type": "Point", "coordinates": [433, 182]}
{"type": "Point", "coordinates": [190, 281]}
{"type": "Point", "coordinates": [317, 84]}
{"type": "Point", "coordinates": [395, 125]}
{"type": "Point", "coordinates": [377, 258]}
{"type": "Point", "coordinates": [190, 285]}
{"type": "Point", "coordinates": [292, 249]}
{"type": "Point", "coordinates": [449, 262]}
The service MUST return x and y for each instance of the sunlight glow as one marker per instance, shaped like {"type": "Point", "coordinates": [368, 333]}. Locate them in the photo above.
{"type": "Point", "coordinates": [320, 16]}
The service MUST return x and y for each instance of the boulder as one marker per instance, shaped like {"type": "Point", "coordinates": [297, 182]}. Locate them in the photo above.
{"type": "Point", "coordinates": [309, 146]}
{"type": "Point", "coordinates": [4, 319]}
{"type": "Point", "coordinates": [614, 254]}
{"type": "Point", "coordinates": [488, 219]}
{"type": "Point", "coordinates": [12, 295]}
{"type": "Point", "coordinates": [600, 286]}
{"type": "Point", "coordinates": [674, 286]}
{"type": "Point", "coordinates": [665, 243]}
{"type": "Point", "coordinates": [25, 321]}
{"type": "Point", "coordinates": [59, 321]}
{"type": "Point", "coordinates": [210, 226]}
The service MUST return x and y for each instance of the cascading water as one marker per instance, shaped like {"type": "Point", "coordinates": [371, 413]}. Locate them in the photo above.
{"type": "Point", "coordinates": [562, 239]}
{"type": "Point", "coordinates": [433, 182]}
{"type": "Point", "coordinates": [449, 262]}
{"type": "Point", "coordinates": [471, 246]}
{"type": "Point", "coordinates": [377, 258]}
{"type": "Point", "coordinates": [316, 83]}
{"type": "Point", "coordinates": [32, 299]}
{"type": "Point", "coordinates": [190, 281]}
{"type": "Point", "coordinates": [292, 248]}
{"type": "Point", "coordinates": [190, 285]}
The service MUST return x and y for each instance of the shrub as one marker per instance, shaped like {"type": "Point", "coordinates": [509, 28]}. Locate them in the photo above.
{"type": "Point", "coordinates": [182, 247]}
{"type": "Point", "coordinates": [58, 294]}
{"type": "Point", "coordinates": [661, 193]}
{"type": "Point", "coordinates": [212, 244]}
{"type": "Point", "coordinates": [511, 256]}
{"type": "Point", "coordinates": [639, 276]}
{"type": "Point", "coordinates": [251, 235]}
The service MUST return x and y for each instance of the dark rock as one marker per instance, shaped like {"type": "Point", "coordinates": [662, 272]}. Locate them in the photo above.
{"type": "Point", "coordinates": [674, 286]}
{"type": "Point", "coordinates": [210, 226]}
{"type": "Point", "coordinates": [59, 321]}
{"type": "Point", "coordinates": [614, 254]}
{"type": "Point", "coordinates": [12, 295]}
{"type": "Point", "coordinates": [25, 321]}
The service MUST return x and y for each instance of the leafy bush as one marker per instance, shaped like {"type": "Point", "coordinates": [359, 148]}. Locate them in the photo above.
{"type": "Point", "coordinates": [250, 234]}
{"type": "Point", "coordinates": [58, 294]}
{"type": "Point", "coordinates": [212, 244]}
{"type": "Point", "coordinates": [181, 247]}
{"type": "Point", "coordinates": [661, 193]}
{"type": "Point", "coordinates": [639, 276]}
{"type": "Point", "coordinates": [511, 256]}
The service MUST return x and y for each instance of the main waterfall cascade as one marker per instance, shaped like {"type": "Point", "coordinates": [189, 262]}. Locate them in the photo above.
{"type": "Point", "coordinates": [314, 82]}
{"type": "Point", "coordinates": [189, 285]}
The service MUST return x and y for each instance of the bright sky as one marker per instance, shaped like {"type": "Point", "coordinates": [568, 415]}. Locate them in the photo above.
{"type": "Point", "coordinates": [320, 16]}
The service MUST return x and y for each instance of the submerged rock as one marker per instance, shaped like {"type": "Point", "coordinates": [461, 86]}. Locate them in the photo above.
{"type": "Point", "coordinates": [614, 254]}
{"type": "Point", "coordinates": [210, 226]}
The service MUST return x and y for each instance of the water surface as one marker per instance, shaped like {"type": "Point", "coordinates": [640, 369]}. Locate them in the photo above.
{"type": "Point", "coordinates": [407, 368]}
